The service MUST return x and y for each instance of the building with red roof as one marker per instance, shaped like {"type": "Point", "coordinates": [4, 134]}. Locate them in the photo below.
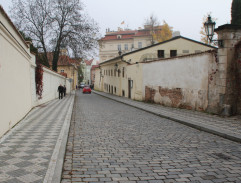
{"type": "Point", "coordinates": [124, 41]}
{"type": "Point", "coordinates": [67, 67]}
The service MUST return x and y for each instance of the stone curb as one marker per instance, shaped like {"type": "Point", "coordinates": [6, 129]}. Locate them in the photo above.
{"type": "Point", "coordinates": [211, 130]}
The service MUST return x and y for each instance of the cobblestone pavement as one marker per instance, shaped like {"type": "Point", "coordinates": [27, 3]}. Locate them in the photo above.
{"type": "Point", "coordinates": [28, 153]}
{"type": "Point", "coordinates": [229, 128]}
{"type": "Point", "coordinates": [112, 142]}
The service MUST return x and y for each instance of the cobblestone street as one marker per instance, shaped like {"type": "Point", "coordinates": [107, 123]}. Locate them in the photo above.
{"type": "Point", "coordinates": [112, 142]}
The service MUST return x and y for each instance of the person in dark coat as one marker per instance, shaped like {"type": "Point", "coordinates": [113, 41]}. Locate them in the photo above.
{"type": "Point", "coordinates": [61, 91]}
{"type": "Point", "coordinates": [64, 90]}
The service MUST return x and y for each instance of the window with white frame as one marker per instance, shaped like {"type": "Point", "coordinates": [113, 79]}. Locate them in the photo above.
{"type": "Point", "coordinates": [139, 44]}
{"type": "Point", "coordinates": [126, 46]}
{"type": "Point", "coordinates": [119, 47]}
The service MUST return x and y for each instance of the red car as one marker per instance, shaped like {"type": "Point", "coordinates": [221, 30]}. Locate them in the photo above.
{"type": "Point", "coordinates": [86, 89]}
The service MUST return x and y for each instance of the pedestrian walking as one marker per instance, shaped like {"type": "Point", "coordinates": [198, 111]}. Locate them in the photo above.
{"type": "Point", "coordinates": [61, 91]}
{"type": "Point", "coordinates": [64, 90]}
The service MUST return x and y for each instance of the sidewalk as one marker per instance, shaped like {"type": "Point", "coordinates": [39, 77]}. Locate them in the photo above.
{"type": "Point", "coordinates": [33, 151]}
{"type": "Point", "coordinates": [229, 128]}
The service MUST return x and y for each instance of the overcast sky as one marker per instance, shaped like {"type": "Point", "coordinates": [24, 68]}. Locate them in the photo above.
{"type": "Point", "coordinates": [183, 15]}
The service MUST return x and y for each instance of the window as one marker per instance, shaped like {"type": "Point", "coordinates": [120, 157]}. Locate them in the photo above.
{"type": "Point", "coordinates": [139, 44]}
{"type": "Point", "coordinates": [123, 93]}
{"type": "Point", "coordinates": [197, 51]}
{"type": "Point", "coordinates": [123, 72]}
{"type": "Point", "coordinates": [62, 70]}
{"type": "Point", "coordinates": [111, 72]}
{"type": "Point", "coordinates": [126, 46]}
{"type": "Point", "coordinates": [119, 72]}
{"type": "Point", "coordinates": [119, 47]}
{"type": "Point", "coordinates": [185, 51]}
{"type": "Point", "coordinates": [118, 36]}
{"type": "Point", "coordinates": [115, 89]}
{"type": "Point", "coordinates": [132, 47]}
{"type": "Point", "coordinates": [173, 53]}
{"type": "Point", "coordinates": [160, 54]}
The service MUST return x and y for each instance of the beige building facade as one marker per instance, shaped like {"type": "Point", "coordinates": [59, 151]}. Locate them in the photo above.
{"type": "Point", "coordinates": [128, 75]}
{"type": "Point", "coordinates": [124, 41]}
{"type": "Point", "coordinates": [68, 67]}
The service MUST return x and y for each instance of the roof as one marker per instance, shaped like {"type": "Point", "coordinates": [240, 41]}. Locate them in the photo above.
{"type": "Point", "coordinates": [228, 26]}
{"type": "Point", "coordinates": [89, 62]}
{"type": "Point", "coordinates": [172, 39]}
{"type": "Point", "coordinates": [64, 60]}
{"type": "Point", "coordinates": [94, 66]}
{"type": "Point", "coordinates": [130, 34]}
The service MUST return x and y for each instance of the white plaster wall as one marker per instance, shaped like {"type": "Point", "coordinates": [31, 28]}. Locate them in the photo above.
{"type": "Point", "coordinates": [186, 72]}
{"type": "Point", "coordinates": [51, 81]}
{"type": "Point", "coordinates": [15, 77]}
{"type": "Point", "coordinates": [190, 74]}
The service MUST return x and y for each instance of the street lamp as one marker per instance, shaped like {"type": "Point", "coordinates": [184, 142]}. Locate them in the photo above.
{"type": "Point", "coordinates": [209, 29]}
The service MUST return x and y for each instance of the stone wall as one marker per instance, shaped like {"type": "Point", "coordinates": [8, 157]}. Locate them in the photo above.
{"type": "Point", "coordinates": [238, 79]}
{"type": "Point", "coordinates": [229, 69]}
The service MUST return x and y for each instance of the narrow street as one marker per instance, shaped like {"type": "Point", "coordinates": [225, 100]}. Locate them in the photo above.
{"type": "Point", "coordinates": [112, 142]}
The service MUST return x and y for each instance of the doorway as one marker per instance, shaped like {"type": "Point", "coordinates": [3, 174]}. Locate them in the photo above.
{"type": "Point", "coordinates": [130, 84]}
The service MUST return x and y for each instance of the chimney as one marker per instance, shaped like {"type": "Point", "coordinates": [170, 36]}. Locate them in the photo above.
{"type": "Point", "coordinates": [176, 34]}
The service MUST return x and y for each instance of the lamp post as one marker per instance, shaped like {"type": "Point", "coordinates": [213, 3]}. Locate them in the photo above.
{"type": "Point", "coordinates": [209, 29]}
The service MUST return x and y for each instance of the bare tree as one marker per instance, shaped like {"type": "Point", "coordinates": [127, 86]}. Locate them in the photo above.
{"type": "Point", "coordinates": [158, 32]}
{"type": "Point", "coordinates": [151, 22]}
{"type": "Point", "coordinates": [53, 24]}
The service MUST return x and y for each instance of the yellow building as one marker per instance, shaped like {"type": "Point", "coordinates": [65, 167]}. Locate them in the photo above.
{"type": "Point", "coordinates": [123, 75]}
{"type": "Point", "coordinates": [68, 67]}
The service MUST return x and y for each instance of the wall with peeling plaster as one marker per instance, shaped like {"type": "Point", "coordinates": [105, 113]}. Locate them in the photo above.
{"type": "Point", "coordinates": [183, 82]}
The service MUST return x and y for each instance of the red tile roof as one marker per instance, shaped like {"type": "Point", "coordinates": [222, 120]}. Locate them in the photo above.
{"type": "Point", "coordinates": [94, 66]}
{"type": "Point", "coordinates": [89, 62]}
{"type": "Point", "coordinates": [63, 74]}
{"type": "Point", "coordinates": [130, 34]}
{"type": "Point", "coordinates": [64, 60]}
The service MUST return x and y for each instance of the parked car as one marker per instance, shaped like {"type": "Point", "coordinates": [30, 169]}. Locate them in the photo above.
{"type": "Point", "coordinates": [86, 89]}
{"type": "Point", "coordinates": [82, 85]}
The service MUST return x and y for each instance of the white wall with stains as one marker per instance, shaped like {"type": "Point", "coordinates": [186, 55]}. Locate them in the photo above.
{"type": "Point", "coordinates": [180, 82]}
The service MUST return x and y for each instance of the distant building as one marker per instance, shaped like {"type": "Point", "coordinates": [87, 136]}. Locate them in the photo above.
{"type": "Point", "coordinates": [86, 66]}
{"type": "Point", "coordinates": [92, 73]}
{"type": "Point", "coordinates": [67, 66]}
{"type": "Point", "coordinates": [124, 41]}
{"type": "Point", "coordinates": [126, 75]}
